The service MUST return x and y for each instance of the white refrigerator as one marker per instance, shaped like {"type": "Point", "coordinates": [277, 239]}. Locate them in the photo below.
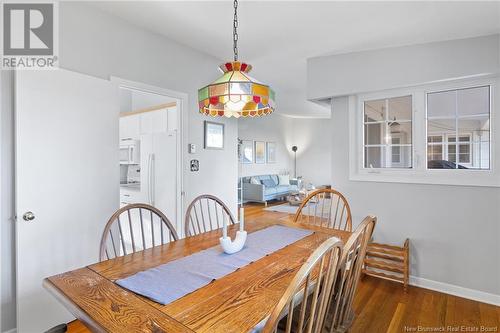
{"type": "Point", "coordinates": [158, 172]}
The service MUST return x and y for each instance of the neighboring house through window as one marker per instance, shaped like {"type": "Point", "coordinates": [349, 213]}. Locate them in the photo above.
{"type": "Point", "coordinates": [461, 119]}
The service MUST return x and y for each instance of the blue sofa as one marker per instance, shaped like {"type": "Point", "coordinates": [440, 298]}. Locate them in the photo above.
{"type": "Point", "coordinates": [267, 189]}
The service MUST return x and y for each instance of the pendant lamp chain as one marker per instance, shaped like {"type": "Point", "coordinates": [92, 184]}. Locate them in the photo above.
{"type": "Point", "coordinates": [235, 31]}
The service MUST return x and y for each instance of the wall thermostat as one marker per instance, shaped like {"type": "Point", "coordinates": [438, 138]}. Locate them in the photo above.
{"type": "Point", "coordinates": [195, 165]}
{"type": "Point", "coordinates": [191, 148]}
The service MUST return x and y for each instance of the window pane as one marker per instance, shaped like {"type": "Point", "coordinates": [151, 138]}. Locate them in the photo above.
{"type": "Point", "coordinates": [400, 108]}
{"type": "Point", "coordinates": [396, 155]}
{"type": "Point", "coordinates": [465, 125]}
{"type": "Point", "coordinates": [388, 133]}
{"type": "Point", "coordinates": [402, 131]}
{"type": "Point", "coordinates": [399, 157]}
{"type": "Point", "coordinates": [375, 110]}
{"type": "Point", "coordinates": [434, 138]}
{"type": "Point", "coordinates": [374, 157]}
{"type": "Point", "coordinates": [440, 127]}
{"type": "Point", "coordinates": [434, 152]}
{"type": "Point", "coordinates": [480, 155]}
{"type": "Point", "coordinates": [441, 104]}
{"type": "Point", "coordinates": [464, 149]}
{"type": "Point", "coordinates": [388, 156]}
{"type": "Point", "coordinates": [374, 134]}
{"type": "Point", "coordinates": [476, 127]}
{"type": "Point", "coordinates": [464, 158]}
{"type": "Point", "coordinates": [473, 101]}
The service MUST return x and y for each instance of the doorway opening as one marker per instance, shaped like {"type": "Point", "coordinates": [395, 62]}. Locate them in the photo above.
{"type": "Point", "coordinates": [150, 150]}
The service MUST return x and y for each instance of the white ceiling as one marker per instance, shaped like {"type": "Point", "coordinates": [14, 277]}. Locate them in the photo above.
{"type": "Point", "coordinates": [277, 37]}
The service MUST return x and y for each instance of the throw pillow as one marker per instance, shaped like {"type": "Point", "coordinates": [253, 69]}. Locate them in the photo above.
{"type": "Point", "coordinates": [284, 179]}
{"type": "Point", "coordinates": [268, 182]}
{"type": "Point", "coordinates": [254, 180]}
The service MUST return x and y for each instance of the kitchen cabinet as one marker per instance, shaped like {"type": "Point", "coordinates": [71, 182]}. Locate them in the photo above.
{"type": "Point", "coordinates": [158, 121]}
{"type": "Point", "coordinates": [129, 127]}
{"type": "Point", "coordinates": [154, 121]}
{"type": "Point", "coordinates": [129, 195]}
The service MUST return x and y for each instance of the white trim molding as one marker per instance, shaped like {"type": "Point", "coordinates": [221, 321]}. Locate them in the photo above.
{"type": "Point", "coordinates": [455, 290]}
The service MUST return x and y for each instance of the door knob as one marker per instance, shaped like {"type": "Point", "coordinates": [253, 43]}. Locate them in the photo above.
{"type": "Point", "coordinates": [28, 216]}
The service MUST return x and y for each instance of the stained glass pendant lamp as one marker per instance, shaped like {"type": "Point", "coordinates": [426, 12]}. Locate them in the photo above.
{"type": "Point", "coordinates": [235, 93]}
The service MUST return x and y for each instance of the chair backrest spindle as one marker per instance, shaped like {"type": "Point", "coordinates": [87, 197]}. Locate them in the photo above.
{"type": "Point", "coordinates": [325, 207]}
{"type": "Point", "coordinates": [126, 239]}
{"type": "Point", "coordinates": [208, 218]}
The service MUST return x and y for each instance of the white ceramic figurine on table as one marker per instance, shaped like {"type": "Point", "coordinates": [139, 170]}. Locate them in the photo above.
{"type": "Point", "coordinates": [229, 246]}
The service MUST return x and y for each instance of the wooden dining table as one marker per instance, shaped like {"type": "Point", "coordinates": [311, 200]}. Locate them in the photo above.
{"type": "Point", "coordinates": [236, 302]}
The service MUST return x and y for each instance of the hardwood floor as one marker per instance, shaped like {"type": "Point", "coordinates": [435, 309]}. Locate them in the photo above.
{"type": "Point", "coordinates": [383, 306]}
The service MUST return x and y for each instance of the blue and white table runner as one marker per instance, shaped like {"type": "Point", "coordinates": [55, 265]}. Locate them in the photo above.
{"type": "Point", "coordinates": [173, 280]}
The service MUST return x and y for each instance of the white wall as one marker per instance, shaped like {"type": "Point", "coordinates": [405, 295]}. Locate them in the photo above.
{"type": "Point", "coordinates": [454, 230]}
{"type": "Point", "coordinates": [312, 136]}
{"type": "Point", "coordinates": [313, 140]}
{"type": "Point", "coordinates": [273, 128]}
{"type": "Point", "coordinates": [98, 44]}
{"type": "Point", "coordinates": [396, 67]}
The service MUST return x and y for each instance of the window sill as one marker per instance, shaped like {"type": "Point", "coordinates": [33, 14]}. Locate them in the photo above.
{"type": "Point", "coordinates": [482, 178]}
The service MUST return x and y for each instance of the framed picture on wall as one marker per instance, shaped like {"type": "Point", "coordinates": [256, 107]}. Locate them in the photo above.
{"type": "Point", "coordinates": [246, 152]}
{"type": "Point", "coordinates": [260, 152]}
{"type": "Point", "coordinates": [214, 135]}
{"type": "Point", "coordinates": [271, 152]}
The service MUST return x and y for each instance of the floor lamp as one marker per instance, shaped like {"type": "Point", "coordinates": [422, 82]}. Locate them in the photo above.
{"type": "Point", "coordinates": [294, 149]}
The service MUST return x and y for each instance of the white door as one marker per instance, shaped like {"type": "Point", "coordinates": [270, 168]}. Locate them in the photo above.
{"type": "Point", "coordinates": [67, 176]}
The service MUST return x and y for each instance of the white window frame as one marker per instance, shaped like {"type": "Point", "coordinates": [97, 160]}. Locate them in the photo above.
{"type": "Point", "coordinates": [419, 173]}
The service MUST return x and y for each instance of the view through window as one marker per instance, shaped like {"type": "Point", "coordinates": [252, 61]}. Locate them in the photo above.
{"type": "Point", "coordinates": [458, 129]}
{"type": "Point", "coordinates": [388, 133]}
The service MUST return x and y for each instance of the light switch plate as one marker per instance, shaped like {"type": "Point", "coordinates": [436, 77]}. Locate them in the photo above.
{"type": "Point", "coordinates": [191, 148]}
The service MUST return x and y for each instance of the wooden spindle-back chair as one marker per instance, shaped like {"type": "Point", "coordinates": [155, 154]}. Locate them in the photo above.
{"type": "Point", "coordinates": [309, 292]}
{"type": "Point", "coordinates": [205, 213]}
{"type": "Point", "coordinates": [340, 313]}
{"type": "Point", "coordinates": [327, 208]}
{"type": "Point", "coordinates": [133, 228]}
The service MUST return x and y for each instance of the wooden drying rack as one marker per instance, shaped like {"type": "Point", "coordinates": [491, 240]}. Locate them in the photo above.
{"type": "Point", "coordinates": [388, 262]}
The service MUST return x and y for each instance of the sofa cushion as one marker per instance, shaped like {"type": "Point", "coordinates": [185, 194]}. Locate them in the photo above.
{"type": "Point", "coordinates": [282, 188]}
{"type": "Point", "coordinates": [254, 180]}
{"type": "Point", "coordinates": [284, 180]}
{"type": "Point", "coordinates": [269, 191]}
{"type": "Point", "coordinates": [275, 179]}
{"type": "Point", "coordinates": [268, 183]}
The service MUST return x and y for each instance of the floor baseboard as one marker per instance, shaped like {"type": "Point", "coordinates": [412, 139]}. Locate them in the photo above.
{"type": "Point", "coordinates": [455, 290]}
